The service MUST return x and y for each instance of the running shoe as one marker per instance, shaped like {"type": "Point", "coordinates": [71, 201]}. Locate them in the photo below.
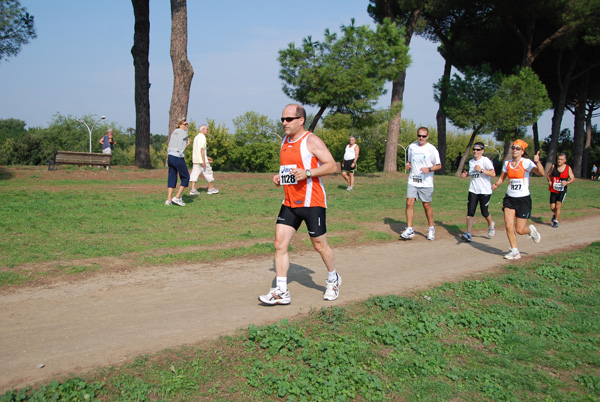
{"type": "Point", "coordinates": [276, 296]}
{"type": "Point", "coordinates": [466, 237]}
{"type": "Point", "coordinates": [492, 230]}
{"type": "Point", "coordinates": [513, 255]}
{"type": "Point", "coordinates": [553, 218]}
{"type": "Point", "coordinates": [194, 192]}
{"type": "Point", "coordinates": [212, 191]}
{"type": "Point", "coordinates": [408, 233]}
{"type": "Point", "coordinates": [167, 202]}
{"type": "Point", "coordinates": [350, 189]}
{"type": "Point", "coordinates": [555, 224]}
{"type": "Point", "coordinates": [535, 235]}
{"type": "Point", "coordinates": [431, 234]}
{"type": "Point", "coordinates": [178, 201]}
{"type": "Point", "coordinates": [332, 291]}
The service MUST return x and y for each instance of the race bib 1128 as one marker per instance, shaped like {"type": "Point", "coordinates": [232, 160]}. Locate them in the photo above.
{"type": "Point", "coordinates": [286, 176]}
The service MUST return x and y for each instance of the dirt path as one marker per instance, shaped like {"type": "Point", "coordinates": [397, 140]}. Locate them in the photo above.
{"type": "Point", "coordinates": [110, 318]}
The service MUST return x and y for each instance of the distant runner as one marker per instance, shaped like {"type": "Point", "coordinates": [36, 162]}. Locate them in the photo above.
{"type": "Point", "coordinates": [559, 176]}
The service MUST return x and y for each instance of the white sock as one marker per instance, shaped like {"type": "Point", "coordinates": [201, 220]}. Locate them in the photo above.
{"type": "Point", "coordinates": [282, 283]}
{"type": "Point", "coordinates": [432, 228]}
{"type": "Point", "coordinates": [332, 276]}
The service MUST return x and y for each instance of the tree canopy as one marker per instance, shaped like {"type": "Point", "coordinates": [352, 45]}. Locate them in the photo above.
{"type": "Point", "coordinates": [345, 72]}
{"type": "Point", "coordinates": [16, 28]}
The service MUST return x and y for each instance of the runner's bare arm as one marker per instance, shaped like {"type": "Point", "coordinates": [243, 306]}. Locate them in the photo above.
{"type": "Point", "coordinates": [317, 147]}
{"type": "Point", "coordinates": [538, 169]}
{"type": "Point", "coordinates": [549, 174]}
{"type": "Point", "coordinates": [499, 181]}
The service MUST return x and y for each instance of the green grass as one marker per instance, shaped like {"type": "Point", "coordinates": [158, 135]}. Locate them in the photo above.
{"type": "Point", "coordinates": [530, 333]}
{"type": "Point", "coordinates": [79, 215]}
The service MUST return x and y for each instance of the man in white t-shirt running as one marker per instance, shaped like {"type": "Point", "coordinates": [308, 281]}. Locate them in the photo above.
{"type": "Point", "coordinates": [423, 160]}
{"type": "Point", "coordinates": [481, 169]}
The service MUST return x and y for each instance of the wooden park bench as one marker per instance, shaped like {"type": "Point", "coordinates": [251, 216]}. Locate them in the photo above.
{"type": "Point", "coordinates": [78, 158]}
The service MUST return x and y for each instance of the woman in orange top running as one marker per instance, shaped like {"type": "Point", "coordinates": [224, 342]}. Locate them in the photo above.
{"type": "Point", "coordinates": [517, 202]}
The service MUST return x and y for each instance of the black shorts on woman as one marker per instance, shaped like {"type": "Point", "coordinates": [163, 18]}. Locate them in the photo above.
{"type": "Point", "coordinates": [521, 205]}
{"type": "Point", "coordinates": [484, 202]}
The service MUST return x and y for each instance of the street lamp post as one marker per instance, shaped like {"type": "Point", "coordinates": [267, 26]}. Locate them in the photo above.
{"type": "Point", "coordinates": [400, 145]}
{"type": "Point", "coordinates": [90, 130]}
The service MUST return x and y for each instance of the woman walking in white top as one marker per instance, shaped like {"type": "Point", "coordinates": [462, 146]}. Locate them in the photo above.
{"type": "Point", "coordinates": [349, 163]}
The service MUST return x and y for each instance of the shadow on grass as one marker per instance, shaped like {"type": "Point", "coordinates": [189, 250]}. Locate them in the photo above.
{"type": "Point", "coordinates": [5, 174]}
{"type": "Point", "coordinates": [395, 225]}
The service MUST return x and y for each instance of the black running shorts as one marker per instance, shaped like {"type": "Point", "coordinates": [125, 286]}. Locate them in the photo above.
{"type": "Point", "coordinates": [313, 216]}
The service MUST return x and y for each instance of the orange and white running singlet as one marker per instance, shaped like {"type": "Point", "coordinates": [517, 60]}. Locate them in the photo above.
{"type": "Point", "coordinates": [518, 177]}
{"type": "Point", "coordinates": [303, 193]}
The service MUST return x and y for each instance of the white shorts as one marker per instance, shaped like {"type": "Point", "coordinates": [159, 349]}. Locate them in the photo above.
{"type": "Point", "coordinates": [206, 171]}
{"type": "Point", "coordinates": [425, 194]}
{"type": "Point", "coordinates": [107, 151]}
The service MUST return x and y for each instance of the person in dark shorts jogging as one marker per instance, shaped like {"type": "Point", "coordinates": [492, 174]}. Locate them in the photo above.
{"type": "Point", "coordinates": [304, 158]}
{"type": "Point", "coordinates": [517, 201]}
{"type": "Point", "coordinates": [559, 176]}
{"type": "Point", "coordinates": [481, 170]}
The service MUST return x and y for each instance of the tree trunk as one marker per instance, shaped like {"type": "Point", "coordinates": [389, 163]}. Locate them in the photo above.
{"type": "Point", "coordinates": [465, 155]}
{"type": "Point", "coordinates": [507, 151]}
{"type": "Point", "coordinates": [588, 141]}
{"type": "Point", "coordinates": [390, 163]}
{"type": "Point", "coordinates": [536, 138]}
{"type": "Point", "coordinates": [313, 124]}
{"type": "Point", "coordinates": [579, 126]}
{"type": "Point", "coordinates": [559, 105]}
{"type": "Point", "coordinates": [140, 51]}
{"type": "Point", "coordinates": [440, 116]}
{"type": "Point", "coordinates": [182, 69]}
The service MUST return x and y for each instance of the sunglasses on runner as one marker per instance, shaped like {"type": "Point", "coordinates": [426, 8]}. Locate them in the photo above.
{"type": "Point", "coordinates": [477, 149]}
{"type": "Point", "coordinates": [516, 148]}
{"type": "Point", "coordinates": [422, 136]}
{"type": "Point", "coordinates": [289, 119]}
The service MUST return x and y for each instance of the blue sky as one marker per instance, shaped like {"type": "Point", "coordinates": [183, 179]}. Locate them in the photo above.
{"type": "Point", "coordinates": [81, 61]}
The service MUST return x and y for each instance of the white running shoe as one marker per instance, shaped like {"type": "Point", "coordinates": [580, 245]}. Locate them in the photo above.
{"type": "Point", "coordinates": [535, 235]}
{"type": "Point", "coordinates": [276, 296]}
{"type": "Point", "coordinates": [167, 202]}
{"type": "Point", "coordinates": [333, 289]}
{"type": "Point", "coordinates": [431, 234]}
{"type": "Point", "coordinates": [178, 201]}
{"type": "Point", "coordinates": [492, 230]}
{"type": "Point", "coordinates": [194, 192]}
{"type": "Point", "coordinates": [513, 255]}
{"type": "Point", "coordinates": [212, 191]}
{"type": "Point", "coordinates": [467, 237]}
{"type": "Point", "coordinates": [408, 233]}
